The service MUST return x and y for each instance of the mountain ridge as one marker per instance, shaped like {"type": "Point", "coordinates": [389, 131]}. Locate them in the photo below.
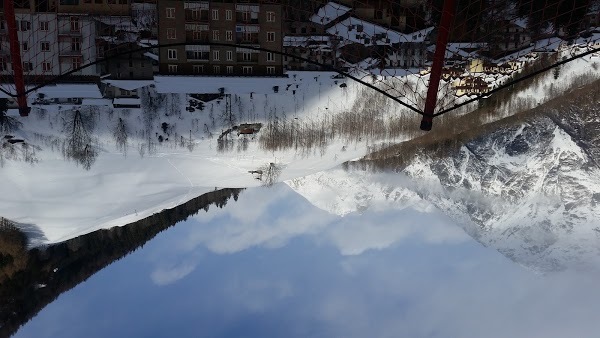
{"type": "Point", "coordinates": [527, 186]}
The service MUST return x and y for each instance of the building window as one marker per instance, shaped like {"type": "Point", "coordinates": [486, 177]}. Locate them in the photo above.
{"type": "Point", "coordinates": [45, 46]}
{"type": "Point", "coordinates": [216, 55]}
{"type": "Point", "coordinates": [216, 69]}
{"type": "Point", "coordinates": [75, 63]}
{"type": "Point", "coordinates": [270, 16]}
{"type": "Point", "coordinates": [246, 56]}
{"type": "Point", "coordinates": [246, 16]}
{"type": "Point", "coordinates": [25, 46]}
{"type": "Point", "coordinates": [74, 24]}
{"type": "Point", "coordinates": [198, 69]}
{"type": "Point", "coordinates": [170, 13]}
{"type": "Point", "coordinates": [198, 55]}
{"type": "Point", "coordinates": [172, 54]}
{"type": "Point", "coordinates": [171, 34]}
{"type": "Point", "coordinates": [271, 70]}
{"type": "Point", "coordinates": [44, 25]}
{"type": "Point", "coordinates": [3, 65]}
{"type": "Point", "coordinates": [216, 35]}
{"type": "Point", "coordinates": [172, 68]}
{"type": "Point", "coordinates": [229, 35]}
{"type": "Point", "coordinates": [75, 44]}
{"type": "Point", "coordinates": [46, 67]}
{"type": "Point", "coordinates": [27, 66]}
{"type": "Point", "coordinates": [228, 15]}
{"type": "Point", "coordinates": [270, 57]}
{"type": "Point", "coordinates": [247, 70]}
{"type": "Point", "coordinates": [197, 35]}
{"type": "Point", "coordinates": [229, 69]}
{"type": "Point", "coordinates": [270, 36]}
{"type": "Point", "coordinates": [215, 14]}
{"type": "Point", "coordinates": [229, 55]}
{"type": "Point", "coordinates": [25, 25]}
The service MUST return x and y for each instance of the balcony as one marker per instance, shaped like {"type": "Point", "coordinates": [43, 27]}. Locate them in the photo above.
{"type": "Point", "coordinates": [194, 17]}
{"type": "Point", "coordinates": [245, 56]}
{"type": "Point", "coordinates": [246, 21]}
{"type": "Point", "coordinates": [194, 27]}
{"type": "Point", "coordinates": [190, 38]}
{"type": "Point", "coordinates": [69, 33]}
{"type": "Point", "coordinates": [202, 57]}
{"type": "Point", "coordinates": [241, 41]}
{"type": "Point", "coordinates": [70, 53]}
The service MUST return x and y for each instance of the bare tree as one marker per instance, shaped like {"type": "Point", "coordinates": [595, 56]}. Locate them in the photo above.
{"type": "Point", "coordinates": [121, 134]}
{"type": "Point", "coordinates": [268, 174]}
{"type": "Point", "coordinates": [173, 105]}
{"type": "Point", "coordinates": [78, 143]}
{"type": "Point", "coordinates": [8, 124]}
{"type": "Point", "coordinates": [150, 107]}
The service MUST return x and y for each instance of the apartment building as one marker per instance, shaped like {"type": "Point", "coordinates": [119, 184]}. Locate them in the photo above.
{"type": "Point", "coordinates": [194, 27]}
{"type": "Point", "coordinates": [57, 37]}
{"type": "Point", "coordinates": [402, 15]}
{"type": "Point", "coordinates": [51, 44]}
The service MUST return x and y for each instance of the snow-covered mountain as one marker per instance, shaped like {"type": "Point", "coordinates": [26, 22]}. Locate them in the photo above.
{"type": "Point", "coordinates": [530, 188]}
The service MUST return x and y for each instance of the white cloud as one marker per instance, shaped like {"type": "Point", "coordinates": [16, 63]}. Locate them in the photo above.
{"type": "Point", "coordinates": [239, 226]}
{"type": "Point", "coordinates": [169, 275]}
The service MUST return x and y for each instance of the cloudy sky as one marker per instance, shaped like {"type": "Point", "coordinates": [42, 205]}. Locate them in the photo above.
{"type": "Point", "coordinates": [280, 267]}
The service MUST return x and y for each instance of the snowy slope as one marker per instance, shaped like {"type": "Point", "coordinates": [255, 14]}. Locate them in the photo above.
{"type": "Point", "coordinates": [530, 190]}
{"type": "Point", "coordinates": [125, 184]}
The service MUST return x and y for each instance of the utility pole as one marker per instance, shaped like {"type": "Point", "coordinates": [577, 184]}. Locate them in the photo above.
{"type": "Point", "coordinates": [15, 55]}
{"type": "Point", "coordinates": [448, 11]}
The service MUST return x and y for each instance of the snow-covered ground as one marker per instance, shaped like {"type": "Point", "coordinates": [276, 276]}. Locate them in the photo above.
{"type": "Point", "coordinates": [123, 185]}
{"type": "Point", "coordinates": [64, 200]}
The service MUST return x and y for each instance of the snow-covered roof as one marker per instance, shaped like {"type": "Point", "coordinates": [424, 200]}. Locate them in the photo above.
{"type": "Point", "coordinates": [329, 12]}
{"type": "Point", "coordinates": [119, 22]}
{"type": "Point", "coordinates": [128, 84]}
{"type": "Point", "coordinates": [593, 39]}
{"type": "Point", "coordinates": [151, 56]}
{"type": "Point", "coordinates": [148, 42]}
{"type": "Point", "coordinates": [543, 45]}
{"type": "Point", "coordinates": [58, 91]}
{"type": "Point", "coordinates": [79, 90]}
{"type": "Point", "coordinates": [420, 35]}
{"type": "Point", "coordinates": [96, 102]}
{"type": "Point", "coordinates": [13, 112]}
{"type": "Point", "coordinates": [454, 50]}
{"type": "Point", "coordinates": [210, 84]}
{"type": "Point", "coordinates": [378, 35]}
{"type": "Point", "coordinates": [127, 101]}
{"type": "Point", "coordinates": [142, 6]}
{"type": "Point", "coordinates": [547, 45]}
{"type": "Point", "coordinates": [291, 41]}
{"type": "Point", "coordinates": [69, 90]}
{"type": "Point", "coordinates": [521, 22]}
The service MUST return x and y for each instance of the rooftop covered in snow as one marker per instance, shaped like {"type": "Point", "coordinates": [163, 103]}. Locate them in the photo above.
{"type": "Point", "coordinates": [59, 91]}
{"type": "Point", "coordinates": [329, 13]}
{"type": "Point", "coordinates": [293, 41]}
{"type": "Point", "coordinates": [128, 84]}
{"type": "Point", "coordinates": [360, 31]}
{"type": "Point", "coordinates": [209, 84]}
